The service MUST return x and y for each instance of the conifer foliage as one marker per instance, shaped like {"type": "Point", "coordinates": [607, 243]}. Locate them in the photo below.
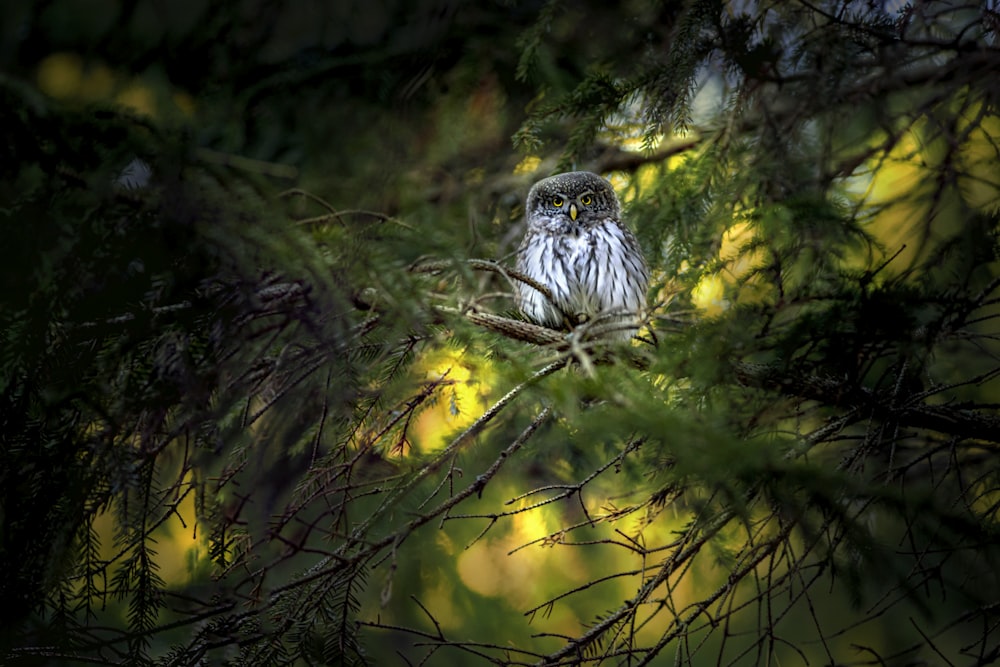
{"type": "Point", "coordinates": [265, 397]}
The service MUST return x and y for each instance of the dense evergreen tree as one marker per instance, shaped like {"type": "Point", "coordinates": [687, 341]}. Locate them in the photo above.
{"type": "Point", "coordinates": [265, 398]}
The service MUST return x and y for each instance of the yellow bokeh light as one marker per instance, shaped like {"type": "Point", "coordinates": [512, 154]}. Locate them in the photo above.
{"type": "Point", "coordinates": [708, 295]}
{"type": "Point", "coordinates": [495, 567]}
{"type": "Point", "coordinates": [644, 180]}
{"type": "Point", "coordinates": [439, 595]}
{"type": "Point", "coordinates": [898, 172]}
{"type": "Point", "coordinates": [637, 143]}
{"type": "Point", "coordinates": [59, 75]}
{"type": "Point", "coordinates": [899, 196]}
{"type": "Point", "coordinates": [97, 83]}
{"type": "Point", "coordinates": [734, 250]}
{"type": "Point", "coordinates": [180, 545]}
{"type": "Point", "coordinates": [137, 98]}
{"type": "Point", "coordinates": [67, 77]}
{"type": "Point", "coordinates": [620, 182]}
{"type": "Point", "coordinates": [459, 399]}
{"type": "Point", "coordinates": [979, 178]}
{"type": "Point", "coordinates": [528, 165]}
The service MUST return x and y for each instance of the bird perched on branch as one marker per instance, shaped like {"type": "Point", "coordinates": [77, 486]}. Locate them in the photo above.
{"type": "Point", "coordinates": [578, 248]}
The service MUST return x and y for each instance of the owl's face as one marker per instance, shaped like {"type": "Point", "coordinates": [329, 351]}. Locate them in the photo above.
{"type": "Point", "coordinates": [573, 199]}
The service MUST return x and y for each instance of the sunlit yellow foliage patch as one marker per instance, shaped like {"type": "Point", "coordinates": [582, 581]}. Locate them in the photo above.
{"type": "Point", "coordinates": [643, 180]}
{"type": "Point", "coordinates": [985, 499]}
{"type": "Point", "coordinates": [439, 595]}
{"type": "Point", "coordinates": [900, 171]}
{"type": "Point", "coordinates": [731, 250]}
{"type": "Point", "coordinates": [715, 293]}
{"type": "Point", "coordinates": [529, 576]}
{"type": "Point", "coordinates": [489, 569]}
{"type": "Point", "coordinates": [670, 287]}
{"type": "Point", "coordinates": [709, 295]}
{"type": "Point", "coordinates": [979, 175]}
{"type": "Point", "coordinates": [97, 83]}
{"type": "Point", "coordinates": [461, 396]}
{"type": "Point", "coordinates": [528, 165]}
{"type": "Point", "coordinates": [104, 526]}
{"type": "Point", "coordinates": [740, 259]}
{"type": "Point", "coordinates": [64, 76]}
{"type": "Point", "coordinates": [181, 546]}
{"type": "Point", "coordinates": [620, 181]}
{"type": "Point", "coordinates": [646, 177]}
{"type": "Point", "coordinates": [900, 194]}
{"type": "Point", "coordinates": [59, 75]}
{"type": "Point", "coordinates": [138, 98]}
{"type": "Point", "coordinates": [67, 77]}
{"type": "Point", "coordinates": [637, 142]}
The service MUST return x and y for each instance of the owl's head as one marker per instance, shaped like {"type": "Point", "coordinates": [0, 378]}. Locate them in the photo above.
{"type": "Point", "coordinates": [573, 198]}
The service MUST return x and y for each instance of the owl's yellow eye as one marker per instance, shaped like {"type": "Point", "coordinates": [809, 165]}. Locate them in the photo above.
{"type": "Point", "coordinates": [586, 200]}
{"type": "Point", "coordinates": [557, 201]}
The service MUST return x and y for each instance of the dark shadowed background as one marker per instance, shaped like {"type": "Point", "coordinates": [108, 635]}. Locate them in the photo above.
{"type": "Point", "coordinates": [265, 397]}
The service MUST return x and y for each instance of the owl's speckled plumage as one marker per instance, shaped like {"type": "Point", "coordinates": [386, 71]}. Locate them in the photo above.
{"type": "Point", "coordinates": [577, 246]}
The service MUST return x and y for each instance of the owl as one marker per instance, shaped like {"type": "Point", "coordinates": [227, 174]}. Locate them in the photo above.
{"type": "Point", "coordinates": [577, 246]}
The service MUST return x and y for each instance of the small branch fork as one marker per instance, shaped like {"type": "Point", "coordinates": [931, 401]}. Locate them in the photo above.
{"type": "Point", "coordinates": [565, 491]}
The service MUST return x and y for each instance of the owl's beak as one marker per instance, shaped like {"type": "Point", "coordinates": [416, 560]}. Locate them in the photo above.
{"type": "Point", "coordinates": [573, 212]}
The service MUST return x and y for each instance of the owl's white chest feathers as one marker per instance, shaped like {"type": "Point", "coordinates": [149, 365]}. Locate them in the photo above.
{"type": "Point", "coordinates": [584, 268]}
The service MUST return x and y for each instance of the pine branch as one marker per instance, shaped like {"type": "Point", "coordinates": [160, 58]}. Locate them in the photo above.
{"type": "Point", "coordinates": [952, 421]}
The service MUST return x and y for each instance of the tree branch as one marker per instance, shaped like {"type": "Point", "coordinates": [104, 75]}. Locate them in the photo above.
{"type": "Point", "coordinates": [832, 392]}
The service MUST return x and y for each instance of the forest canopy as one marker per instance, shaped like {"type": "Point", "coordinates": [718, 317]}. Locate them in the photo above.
{"type": "Point", "coordinates": [266, 397]}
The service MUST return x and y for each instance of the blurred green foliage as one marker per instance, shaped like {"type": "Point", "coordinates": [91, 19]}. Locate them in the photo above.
{"type": "Point", "coordinates": [249, 415]}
